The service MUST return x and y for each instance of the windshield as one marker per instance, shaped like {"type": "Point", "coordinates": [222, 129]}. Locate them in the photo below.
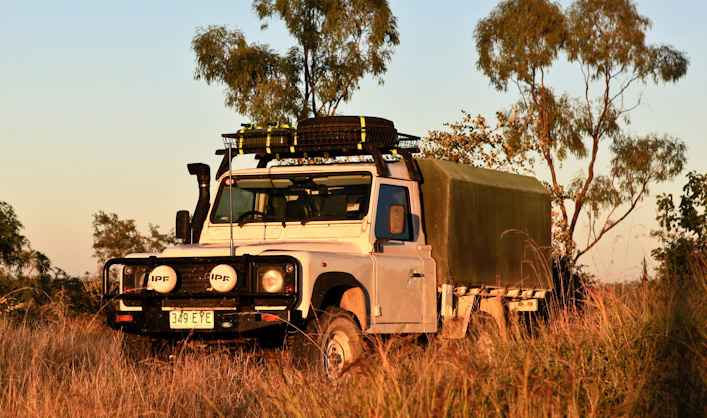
{"type": "Point", "coordinates": [300, 198]}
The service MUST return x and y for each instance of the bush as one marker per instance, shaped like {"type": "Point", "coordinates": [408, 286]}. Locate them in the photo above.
{"type": "Point", "coordinates": [45, 297]}
{"type": "Point", "coordinates": [684, 229]}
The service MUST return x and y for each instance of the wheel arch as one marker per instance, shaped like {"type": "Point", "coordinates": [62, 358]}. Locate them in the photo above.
{"type": "Point", "coordinates": [344, 291]}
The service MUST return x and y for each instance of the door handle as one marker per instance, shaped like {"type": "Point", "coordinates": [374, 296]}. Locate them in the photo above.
{"type": "Point", "coordinates": [410, 282]}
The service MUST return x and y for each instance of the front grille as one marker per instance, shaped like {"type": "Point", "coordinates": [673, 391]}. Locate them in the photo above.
{"type": "Point", "coordinates": [194, 278]}
{"type": "Point", "coordinates": [193, 288]}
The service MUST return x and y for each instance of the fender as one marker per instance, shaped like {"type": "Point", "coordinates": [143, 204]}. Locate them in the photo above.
{"type": "Point", "coordinates": [342, 290]}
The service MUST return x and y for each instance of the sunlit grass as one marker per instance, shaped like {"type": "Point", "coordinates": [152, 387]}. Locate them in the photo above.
{"type": "Point", "coordinates": [635, 350]}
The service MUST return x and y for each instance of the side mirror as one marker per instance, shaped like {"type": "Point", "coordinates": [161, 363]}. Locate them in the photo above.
{"type": "Point", "coordinates": [396, 225]}
{"type": "Point", "coordinates": [183, 226]}
{"type": "Point", "coordinates": [396, 219]}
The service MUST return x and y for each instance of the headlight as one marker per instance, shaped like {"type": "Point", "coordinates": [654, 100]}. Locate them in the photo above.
{"type": "Point", "coordinates": [272, 280]}
{"type": "Point", "coordinates": [127, 279]}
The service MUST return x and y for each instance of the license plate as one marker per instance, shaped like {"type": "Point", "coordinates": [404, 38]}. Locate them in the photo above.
{"type": "Point", "coordinates": [191, 319]}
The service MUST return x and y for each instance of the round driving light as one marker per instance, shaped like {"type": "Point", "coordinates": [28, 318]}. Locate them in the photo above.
{"type": "Point", "coordinates": [272, 281]}
{"type": "Point", "coordinates": [162, 279]}
{"type": "Point", "coordinates": [223, 278]}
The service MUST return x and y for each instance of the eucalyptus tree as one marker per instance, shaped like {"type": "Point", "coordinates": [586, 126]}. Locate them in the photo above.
{"type": "Point", "coordinates": [115, 238]}
{"type": "Point", "coordinates": [12, 242]}
{"type": "Point", "coordinates": [337, 43]}
{"type": "Point", "coordinates": [518, 44]}
{"type": "Point", "coordinates": [17, 258]}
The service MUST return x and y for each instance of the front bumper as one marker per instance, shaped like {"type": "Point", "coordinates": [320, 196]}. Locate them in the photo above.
{"type": "Point", "coordinates": [227, 324]}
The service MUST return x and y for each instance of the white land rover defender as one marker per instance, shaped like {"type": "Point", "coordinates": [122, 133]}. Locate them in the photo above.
{"type": "Point", "coordinates": [311, 257]}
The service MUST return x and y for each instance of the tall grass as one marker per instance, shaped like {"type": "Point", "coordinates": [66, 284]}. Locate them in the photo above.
{"type": "Point", "coordinates": [635, 350]}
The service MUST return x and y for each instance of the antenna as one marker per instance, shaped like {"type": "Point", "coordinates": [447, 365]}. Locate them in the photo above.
{"type": "Point", "coordinates": [229, 145]}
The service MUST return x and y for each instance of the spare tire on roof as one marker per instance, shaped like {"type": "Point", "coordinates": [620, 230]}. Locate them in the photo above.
{"type": "Point", "coordinates": [344, 122]}
{"type": "Point", "coordinates": [346, 130]}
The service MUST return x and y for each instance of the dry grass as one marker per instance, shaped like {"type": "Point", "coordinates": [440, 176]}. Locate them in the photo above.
{"type": "Point", "coordinates": [635, 351]}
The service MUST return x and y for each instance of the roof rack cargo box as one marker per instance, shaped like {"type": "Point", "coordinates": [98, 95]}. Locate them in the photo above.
{"type": "Point", "coordinates": [486, 227]}
{"type": "Point", "coordinates": [322, 137]}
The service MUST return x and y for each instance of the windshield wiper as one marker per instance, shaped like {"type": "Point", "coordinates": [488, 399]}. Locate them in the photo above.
{"type": "Point", "coordinates": [336, 217]}
{"type": "Point", "coordinates": [267, 218]}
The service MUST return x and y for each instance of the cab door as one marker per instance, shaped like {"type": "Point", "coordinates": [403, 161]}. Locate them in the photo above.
{"type": "Point", "coordinates": [399, 268]}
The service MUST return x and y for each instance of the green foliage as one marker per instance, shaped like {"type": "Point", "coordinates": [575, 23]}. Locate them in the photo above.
{"type": "Point", "coordinates": [34, 288]}
{"type": "Point", "coordinates": [472, 141]}
{"type": "Point", "coordinates": [684, 229]}
{"type": "Point", "coordinates": [11, 240]}
{"type": "Point", "coordinates": [51, 296]}
{"type": "Point", "coordinates": [17, 259]}
{"type": "Point", "coordinates": [337, 44]}
{"type": "Point", "coordinates": [518, 38]}
{"type": "Point", "coordinates": [30, 285]}
{"type": "Point", "coordinates": [608, 37]}
{"type": "Point", "coordinates": [116, 238]}
{"type": "Point", "coordinates": [260, 83]}
{"type": "Point", "coordinates": [519, 43]}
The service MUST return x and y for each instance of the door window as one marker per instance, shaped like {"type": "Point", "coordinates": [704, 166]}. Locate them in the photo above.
{"type": "Point", "coordinates": [390, 195]}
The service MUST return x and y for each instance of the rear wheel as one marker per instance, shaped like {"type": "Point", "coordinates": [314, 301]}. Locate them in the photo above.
{"type": "Point", "coordinates": [484, 332]}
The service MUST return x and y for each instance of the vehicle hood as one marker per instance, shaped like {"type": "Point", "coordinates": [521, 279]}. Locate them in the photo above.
{"type": "Point", "coordinates": [258, 248]}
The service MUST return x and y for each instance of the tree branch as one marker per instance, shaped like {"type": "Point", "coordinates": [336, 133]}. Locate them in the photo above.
{"type": "Point", "coordinates": [608, 226]}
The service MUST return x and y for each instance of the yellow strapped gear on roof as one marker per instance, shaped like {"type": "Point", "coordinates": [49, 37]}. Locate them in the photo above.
{"type": "Point", "coordinates": [294, 143]}
{"type": "Point", "coordinates": [240, 141]}
{"type": "Point", "coordinates": [363, 128]}
{"type": "Point", "coordinates": [363, 131]}
{"type": "Point", "coordinates": [267, 141]}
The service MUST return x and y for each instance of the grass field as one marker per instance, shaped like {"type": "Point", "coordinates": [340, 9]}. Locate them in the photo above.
{"type": "Point", "coordinates": [635, 350]}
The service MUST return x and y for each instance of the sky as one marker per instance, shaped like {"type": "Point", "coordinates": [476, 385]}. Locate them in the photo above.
{"type": "Point", "coordinates": [99, 109]}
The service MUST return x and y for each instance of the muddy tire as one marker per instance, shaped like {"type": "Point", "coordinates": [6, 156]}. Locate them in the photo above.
{"type": "Point", "coordinates": [483, 332]}
{"type": "Point", "coordinates": [165, 351]}
{"type": "Point", "coordinates": [330, 344]}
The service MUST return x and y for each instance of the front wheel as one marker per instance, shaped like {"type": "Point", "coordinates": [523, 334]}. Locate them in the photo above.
{"type": "Point", "coordinates": [331, 343]}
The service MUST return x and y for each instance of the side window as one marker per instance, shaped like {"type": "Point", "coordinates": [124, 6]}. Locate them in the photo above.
{"type": "Point", "coordinates": [389, 195]}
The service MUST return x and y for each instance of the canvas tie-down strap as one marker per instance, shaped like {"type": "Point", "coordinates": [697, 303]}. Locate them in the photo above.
{"type": "Point", "coordinates": [363, 132]}
{"type": "Point", "coordinates": [294, 144]}
{"type": "Point", "coordinates": [240, 141]}
{"type": "Point", "coordinates": [267, 141]}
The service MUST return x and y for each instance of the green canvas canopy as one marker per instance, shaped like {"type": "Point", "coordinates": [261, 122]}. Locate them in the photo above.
{"type": "Point", "coordinates": [486, 227]}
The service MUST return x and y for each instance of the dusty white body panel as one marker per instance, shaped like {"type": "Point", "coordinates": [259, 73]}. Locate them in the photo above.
{"type": "Point", "coordinates": [398, 282]}
{"type": "Point", "coordinates": [396, 275]}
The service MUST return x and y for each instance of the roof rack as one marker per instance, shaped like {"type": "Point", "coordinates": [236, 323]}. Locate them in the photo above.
{"type": "Point", "coordinates": [324, 137]}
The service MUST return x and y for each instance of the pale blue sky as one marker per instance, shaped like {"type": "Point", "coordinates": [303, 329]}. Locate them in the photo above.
{"type": "Point", "coordinates": [99, 109]}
